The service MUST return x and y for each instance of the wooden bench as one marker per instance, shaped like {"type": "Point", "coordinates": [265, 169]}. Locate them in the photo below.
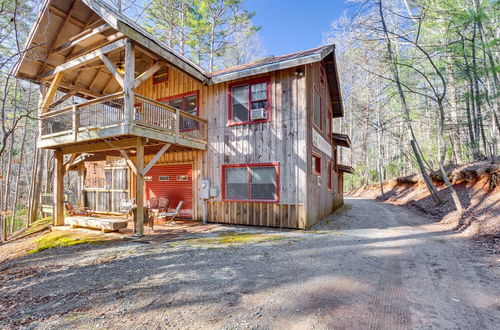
{"type": "Point", "coordinates": [105, 225]}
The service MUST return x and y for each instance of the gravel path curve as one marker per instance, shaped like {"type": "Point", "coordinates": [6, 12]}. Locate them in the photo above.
{"type": "Point", "coordinates": [369, 266]}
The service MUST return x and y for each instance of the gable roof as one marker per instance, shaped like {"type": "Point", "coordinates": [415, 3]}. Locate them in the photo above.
{"type": "Point", "coordinates": [39, 37]}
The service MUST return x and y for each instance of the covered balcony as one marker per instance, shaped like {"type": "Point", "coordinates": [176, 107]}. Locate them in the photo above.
{"type": "Point", "coordinates": [105, 117]}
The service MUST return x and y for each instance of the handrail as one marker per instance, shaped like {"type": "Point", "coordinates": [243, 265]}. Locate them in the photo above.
{"type": "Point", "coordinates": [118, 94]}
{"type": "Point", "coordinates": [70, 108]}
{"type": "Point", "coordinates": [170, 108]}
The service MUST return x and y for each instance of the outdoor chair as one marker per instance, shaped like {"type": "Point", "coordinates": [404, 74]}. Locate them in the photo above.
{"type": "Point", "coordinates": [163, 204]}
{"type": "Point", "coordinates": [174, 214]}
{"type": "Point", "coordinates": [152, 203]}
{"type": "Point", "coordinates": [72, 211]}
{"type": "Point", "coordinates": [126, 206]}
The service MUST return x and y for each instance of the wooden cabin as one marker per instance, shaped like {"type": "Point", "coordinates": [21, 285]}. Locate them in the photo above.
{"type": "Point", "coordinates": [251, 144]}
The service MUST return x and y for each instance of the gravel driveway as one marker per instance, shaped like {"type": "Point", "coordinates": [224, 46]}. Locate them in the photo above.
{"type": "Point", "coordinates": [370, 266]}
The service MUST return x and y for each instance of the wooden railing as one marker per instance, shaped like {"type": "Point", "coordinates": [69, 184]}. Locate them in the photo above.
{"type": "Point", "coordinates": [109, 111]}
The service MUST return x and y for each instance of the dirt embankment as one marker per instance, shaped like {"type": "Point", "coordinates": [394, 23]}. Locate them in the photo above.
{"type": "Point", "coordinates": [477, 184]}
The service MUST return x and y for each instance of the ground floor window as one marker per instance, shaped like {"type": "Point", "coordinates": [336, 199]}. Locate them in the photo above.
{"type": "Point", "coordinates": [251, 182]}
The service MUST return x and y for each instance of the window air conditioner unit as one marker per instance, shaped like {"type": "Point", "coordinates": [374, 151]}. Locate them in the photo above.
{"type": "Point", "coordinates": [257, 114]}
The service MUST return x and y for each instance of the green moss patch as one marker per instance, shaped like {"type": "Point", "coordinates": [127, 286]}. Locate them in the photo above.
{"type": "Point", "coordinates": [57, 239]}
{"type": "Point", "coordinates": [234, 238]}
{"type": "Point", "coordinates": [38, 225]}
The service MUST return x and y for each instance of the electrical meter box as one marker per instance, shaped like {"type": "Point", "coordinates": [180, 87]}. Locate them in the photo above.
{"type": "Point", "coordinates": [205, 189]}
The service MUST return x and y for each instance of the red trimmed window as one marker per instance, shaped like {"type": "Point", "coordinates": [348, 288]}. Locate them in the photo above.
{"type": "Point", "coordinates": [316, 164]}
{"type": "Point", "coordinates": [250, 101]}
{"type": "Point", "coordinates": [160, 76]}
{"type": "Point", "coordinates": [317, 108]}
{"type": "Point", "coordinates": [187, 102]}
{"type": "Point", "coordinates": [251, 182]}
{"type": "Point", "coordinates": [329, 184]}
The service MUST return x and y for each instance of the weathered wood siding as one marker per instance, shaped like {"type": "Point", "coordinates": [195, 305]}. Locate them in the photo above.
{"type": "Point", "coordinates": [286, 139]}
{"type": "Point", "coordinates": [282, 139]}
{"type": "Point", "coordinates": [321, 201]}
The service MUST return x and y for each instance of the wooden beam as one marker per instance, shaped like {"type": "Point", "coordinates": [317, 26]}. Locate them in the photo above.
{"type": "Point", "coordinates": [81, 37]}
{"type": "Point", "coordinates": [70, 161]}
{"type": "Point", "coordinates": [95, 46]}
{"type": "Point", "coordinates": [62, 14]}
{"type": "Point", "coordinates": [190, 68]}
{"type": "Point", "coordinates": [94, 79]}
{"type": "Point", "coordinates": [79, 61]}
{"type": "Point", "coordinates": [155, 159]}
{"type": "Point", "coordinates": [148, 73]}
{"type": "Point", "coordinates": [51, 92]}
{"type": "Point", "coordinates": [129, 162]}
{"type": "Point", "coordinates": [128, 82]}
{"type": "Point", "coordinates": [62, 99]}
{"type": "Point", "coordinates": [139, 194]}
{"type": "Point", "coordinates": [100, 146]}
{"type": "Point", "coordinates": [81, 90]}
{"type": "Point", "coordinates": [58, 189]}
{"type": "Point", "coordinates": [67, 17]}
{"type": "Point", "coordinates": [111, 67]}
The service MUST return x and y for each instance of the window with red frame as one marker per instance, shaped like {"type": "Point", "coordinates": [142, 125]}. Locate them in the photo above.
{"type": "Point", "coordinates": [316, 164]}
{"type": "Point", "coordinates": [188, 103]}
{"type": "Point", "coordinates": [317, 108]}
{"type": "Point", "coordinates": [251, 182]}
{"type": "Point", "coordinates": [160, 76]}
{"type": "Point", "coordinates": [329, 185]}
{"type": "Point", "coordinates": [248, 96]}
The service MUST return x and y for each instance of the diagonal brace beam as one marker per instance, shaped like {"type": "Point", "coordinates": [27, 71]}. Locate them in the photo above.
{"type": "Point", "coordinates": [155, 159]}
{"type": "Point", "coordinates": [111, 67]}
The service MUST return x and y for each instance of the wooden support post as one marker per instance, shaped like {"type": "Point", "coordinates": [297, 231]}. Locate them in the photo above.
{"type": "Point", "coordinates": [58, 189]}
{"type": "Point", "coordinates": [128, 82]}
{"type": "Point", "coordinates": [51, 92]}
{"type": "Point", "coordinates": [139, 179]}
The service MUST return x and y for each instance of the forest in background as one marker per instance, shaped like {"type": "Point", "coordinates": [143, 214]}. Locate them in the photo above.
{"type": "Point", "coordinates": [419, 79]}
{"type": "Point", "coordinates": [420, 85]}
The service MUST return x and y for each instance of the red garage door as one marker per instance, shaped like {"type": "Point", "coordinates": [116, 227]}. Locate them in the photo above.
{"type": "Point", "coordinates": [173, 182]}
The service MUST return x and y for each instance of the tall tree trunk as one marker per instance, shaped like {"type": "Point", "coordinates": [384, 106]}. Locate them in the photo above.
{"type": "Point", "coordinates": [395, 72]}
{"type": "Point", "coordinates": [379, 158]}
{"type": "Point", "coordinates": [18, 177]}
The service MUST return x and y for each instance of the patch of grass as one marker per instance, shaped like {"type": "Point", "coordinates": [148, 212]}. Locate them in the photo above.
{"type": "Point", "coordinates": [39, 224]}
{"type": "Point", "coordinates": [234, 238]}
{"type": "Point", "coordinates": [57, 239]}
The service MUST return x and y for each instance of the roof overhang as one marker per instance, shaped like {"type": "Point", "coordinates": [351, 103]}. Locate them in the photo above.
{"type": "Point", "coordinates": [332, 75]}
{"type": "Point", "coordinates": [346, 169]}
{"type": "Point", "coordinates": [266, 68]}
{"type": "Point", "coordinates": [119, 23]}
{"type": "Point", "coordinates": [342, 140]}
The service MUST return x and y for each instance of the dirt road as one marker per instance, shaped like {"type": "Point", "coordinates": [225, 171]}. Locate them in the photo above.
{"type": "Point", "coordinates": [373, 266]}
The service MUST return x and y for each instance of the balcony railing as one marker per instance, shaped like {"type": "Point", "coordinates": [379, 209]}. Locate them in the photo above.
{"type": "Point", "coordinates": [108, 111]}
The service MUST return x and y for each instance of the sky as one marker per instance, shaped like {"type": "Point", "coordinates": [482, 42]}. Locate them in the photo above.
{"type": "Point", "coordinates": [294, 25]}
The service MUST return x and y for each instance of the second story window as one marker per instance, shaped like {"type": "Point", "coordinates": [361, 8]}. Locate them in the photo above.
{"type": "Point", "coordinates": [249, 102]}
{"type": "Point", "coordinates": [186, 102]}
